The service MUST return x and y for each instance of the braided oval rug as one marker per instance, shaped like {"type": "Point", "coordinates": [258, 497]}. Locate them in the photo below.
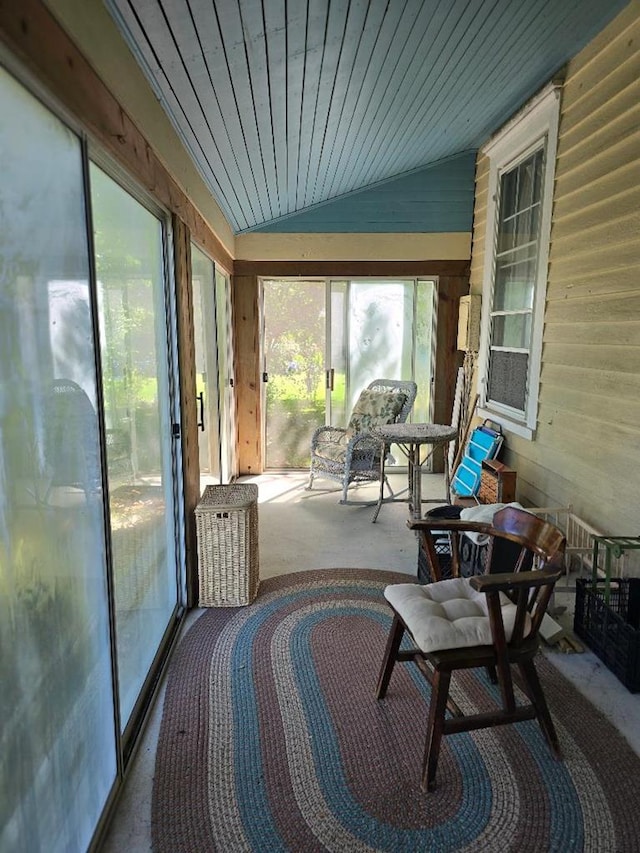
{"type": "Point", "coordinates": [272, 740]}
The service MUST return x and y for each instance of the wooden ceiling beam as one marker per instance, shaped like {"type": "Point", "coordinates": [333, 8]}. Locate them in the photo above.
{"type": "Point", "coordinates": [352, 269]}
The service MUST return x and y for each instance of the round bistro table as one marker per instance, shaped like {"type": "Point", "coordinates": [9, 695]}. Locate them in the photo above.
{"type": "Point", "coordinates": [410, 438]}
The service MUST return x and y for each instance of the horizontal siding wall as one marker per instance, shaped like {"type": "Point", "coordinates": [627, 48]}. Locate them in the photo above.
{"type": "Point", "coordinates": [587, 447]}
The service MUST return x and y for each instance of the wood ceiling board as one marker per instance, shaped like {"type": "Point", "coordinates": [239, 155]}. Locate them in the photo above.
{"type": "Point", "coordinates": [336, 22]}
{"type": "Point", "coordinates": [457, 105]}
{"type": "Point", "coordinates": [395, 125]}
{"type": "Point", "coordinates": [296, 47]}
{"type": "Point", "coordinates": [216, 161]}
{"type": "Point", "coordinates": [276, 51]}
{"type": "Point", "coordinates": [225, 130]}
{"type": "Point", "coordinates": [354, 30]}
{"type": "Point", "coordinates": [258, 68]}
{"type": "Point", "coordinates": [458, 71]}
{"type": "Point", "coordinates": [256, 72]}
{"type": "Point", "coordinates": [409, 59]}
{"type": "Point", "coordinates": [522, 60]}
{"type": "Point", "coordinates": [365, 80]}
{"type": "Point", "coordinates": [220, 35]}
{"type": "Point", "coordinates": [394, 67]}
{"type": "Point", "coordinates": [438, 199]}
{"type": "Point", "coordinates": [315, 48]}
{"type": "Point", "coordinates": [284, 105]}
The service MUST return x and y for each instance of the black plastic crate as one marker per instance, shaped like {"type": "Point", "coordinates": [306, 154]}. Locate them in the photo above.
{"type": "Point", "coordinates": [472, 558]}
{"type": "Point", "coordinates": [611, 629]}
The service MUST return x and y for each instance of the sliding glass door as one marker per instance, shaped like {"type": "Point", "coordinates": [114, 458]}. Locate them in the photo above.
{"type": "Point", "coordinates": [324, 341]}
{"type": "Point", "coordinates": [206, 351]}
{"type": "Point", "coordinates": [91, 557]}
{"type": "Point", "coordinates": [134, 344]}
{"type": "Point", "coordinates": [214, 367]}
{"type": "Point", "coordinates": [226, 370]}
{"type": "Point", "coordinates": [376, 332]}
{"type": "Point", "coordinates": [58, 736]}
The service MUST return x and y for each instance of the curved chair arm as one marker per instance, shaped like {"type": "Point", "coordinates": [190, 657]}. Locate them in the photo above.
{"type": "Point", "coordinates": [365, 448]}
{"type": "Point", "coordinates": [512, 523]}
{"type": "Point", "coordinates": [451, 525]}
{"type": "Point", "coordinates": [530, 592]}
{"type": "Point", "coordinates": [362, 443]}
{"type": "Point", "coordinates": [327, 435]}
{"type": "Point", "coordinates": [532, 535]}
{"type": "Point", "coordinates": [516, 580]}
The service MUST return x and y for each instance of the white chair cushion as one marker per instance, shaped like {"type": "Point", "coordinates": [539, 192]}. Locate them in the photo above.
{"type": "Point", "coordinates": [448, 614]}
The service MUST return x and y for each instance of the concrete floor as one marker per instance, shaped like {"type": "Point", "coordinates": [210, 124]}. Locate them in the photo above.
{"type": "Point", "coordinates": [301, 530]}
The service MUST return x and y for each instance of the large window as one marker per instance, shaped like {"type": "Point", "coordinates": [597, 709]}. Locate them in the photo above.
{"type": "Point", "coordinates": [522, 162]}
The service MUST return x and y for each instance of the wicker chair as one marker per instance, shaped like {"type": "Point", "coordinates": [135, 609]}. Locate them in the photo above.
{"type": "Point", "coordinates": [71, 441]}
{"type": "Point", "coordinates": [351, 455]}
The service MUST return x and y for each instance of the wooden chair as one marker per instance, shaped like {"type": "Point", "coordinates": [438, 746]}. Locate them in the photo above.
{"type": "Point", "coordinates": [489, 621]}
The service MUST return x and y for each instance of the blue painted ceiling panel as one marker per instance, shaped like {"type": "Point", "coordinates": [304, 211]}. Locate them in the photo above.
{"type": "Point", "coordinates": [437, 199]}
{"type": "Point", "coordinates": [287, 104]}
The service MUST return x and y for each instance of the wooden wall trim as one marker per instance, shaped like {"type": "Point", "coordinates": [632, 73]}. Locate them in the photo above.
{"type": "Point", "coordinates": [248, 370]}
{"type": "Point", "coordinates": [33, 34]}
{"type": "Point", "coordinates": [448, 357]}
{"type": "Point", "coordinates": [351, 269]}
{"type": "Point", "coordinates": [187, 393]}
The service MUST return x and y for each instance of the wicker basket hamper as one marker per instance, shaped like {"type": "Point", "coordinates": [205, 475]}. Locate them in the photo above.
{"type": "Point", "coordinates": [227, 531]}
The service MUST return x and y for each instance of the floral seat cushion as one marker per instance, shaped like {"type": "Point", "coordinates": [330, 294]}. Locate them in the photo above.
{"type": "Point", "coordinates": [375, 408]}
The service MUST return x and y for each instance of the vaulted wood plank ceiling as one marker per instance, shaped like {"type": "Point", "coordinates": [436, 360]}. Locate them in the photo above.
{"type": "Point", "coordinates": [285, 104]}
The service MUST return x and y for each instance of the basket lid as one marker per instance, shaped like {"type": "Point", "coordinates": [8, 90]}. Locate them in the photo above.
{"type": "Point", "coordinates": [228, 497]}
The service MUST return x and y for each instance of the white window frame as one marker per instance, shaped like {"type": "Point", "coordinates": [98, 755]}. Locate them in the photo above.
{"type": "Point", "coordinates": [535, 125]}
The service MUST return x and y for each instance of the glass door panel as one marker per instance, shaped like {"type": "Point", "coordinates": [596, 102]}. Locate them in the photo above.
{"type": "Point", "coordinates": [206, 352]}
{"type": "Point", "coordinates": [294, 317]}
{"type": "Point", "coordinates": [129, 247]}
{"type": "Point", "coordinates": [380, 337]}
{"type": "Point", "coordinates": [58, 733]}
{"type": "Point", "coordinates": [424, 351]}
{"type": "Point", "coordinates": [380, 333]}
{"type": "Point", "coordinates": [226, 392]}
{"type": "Point", "coordinates": [338, 355]}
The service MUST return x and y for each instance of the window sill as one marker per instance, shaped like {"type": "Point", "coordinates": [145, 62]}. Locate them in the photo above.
{"type": "Point", "coordinates": [515, 427]}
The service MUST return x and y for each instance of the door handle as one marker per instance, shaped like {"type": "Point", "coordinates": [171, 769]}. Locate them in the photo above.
{"type": "Point", "coordinates": [200, 398]}
{"type": "Point", "coordinates": [330, 375]}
